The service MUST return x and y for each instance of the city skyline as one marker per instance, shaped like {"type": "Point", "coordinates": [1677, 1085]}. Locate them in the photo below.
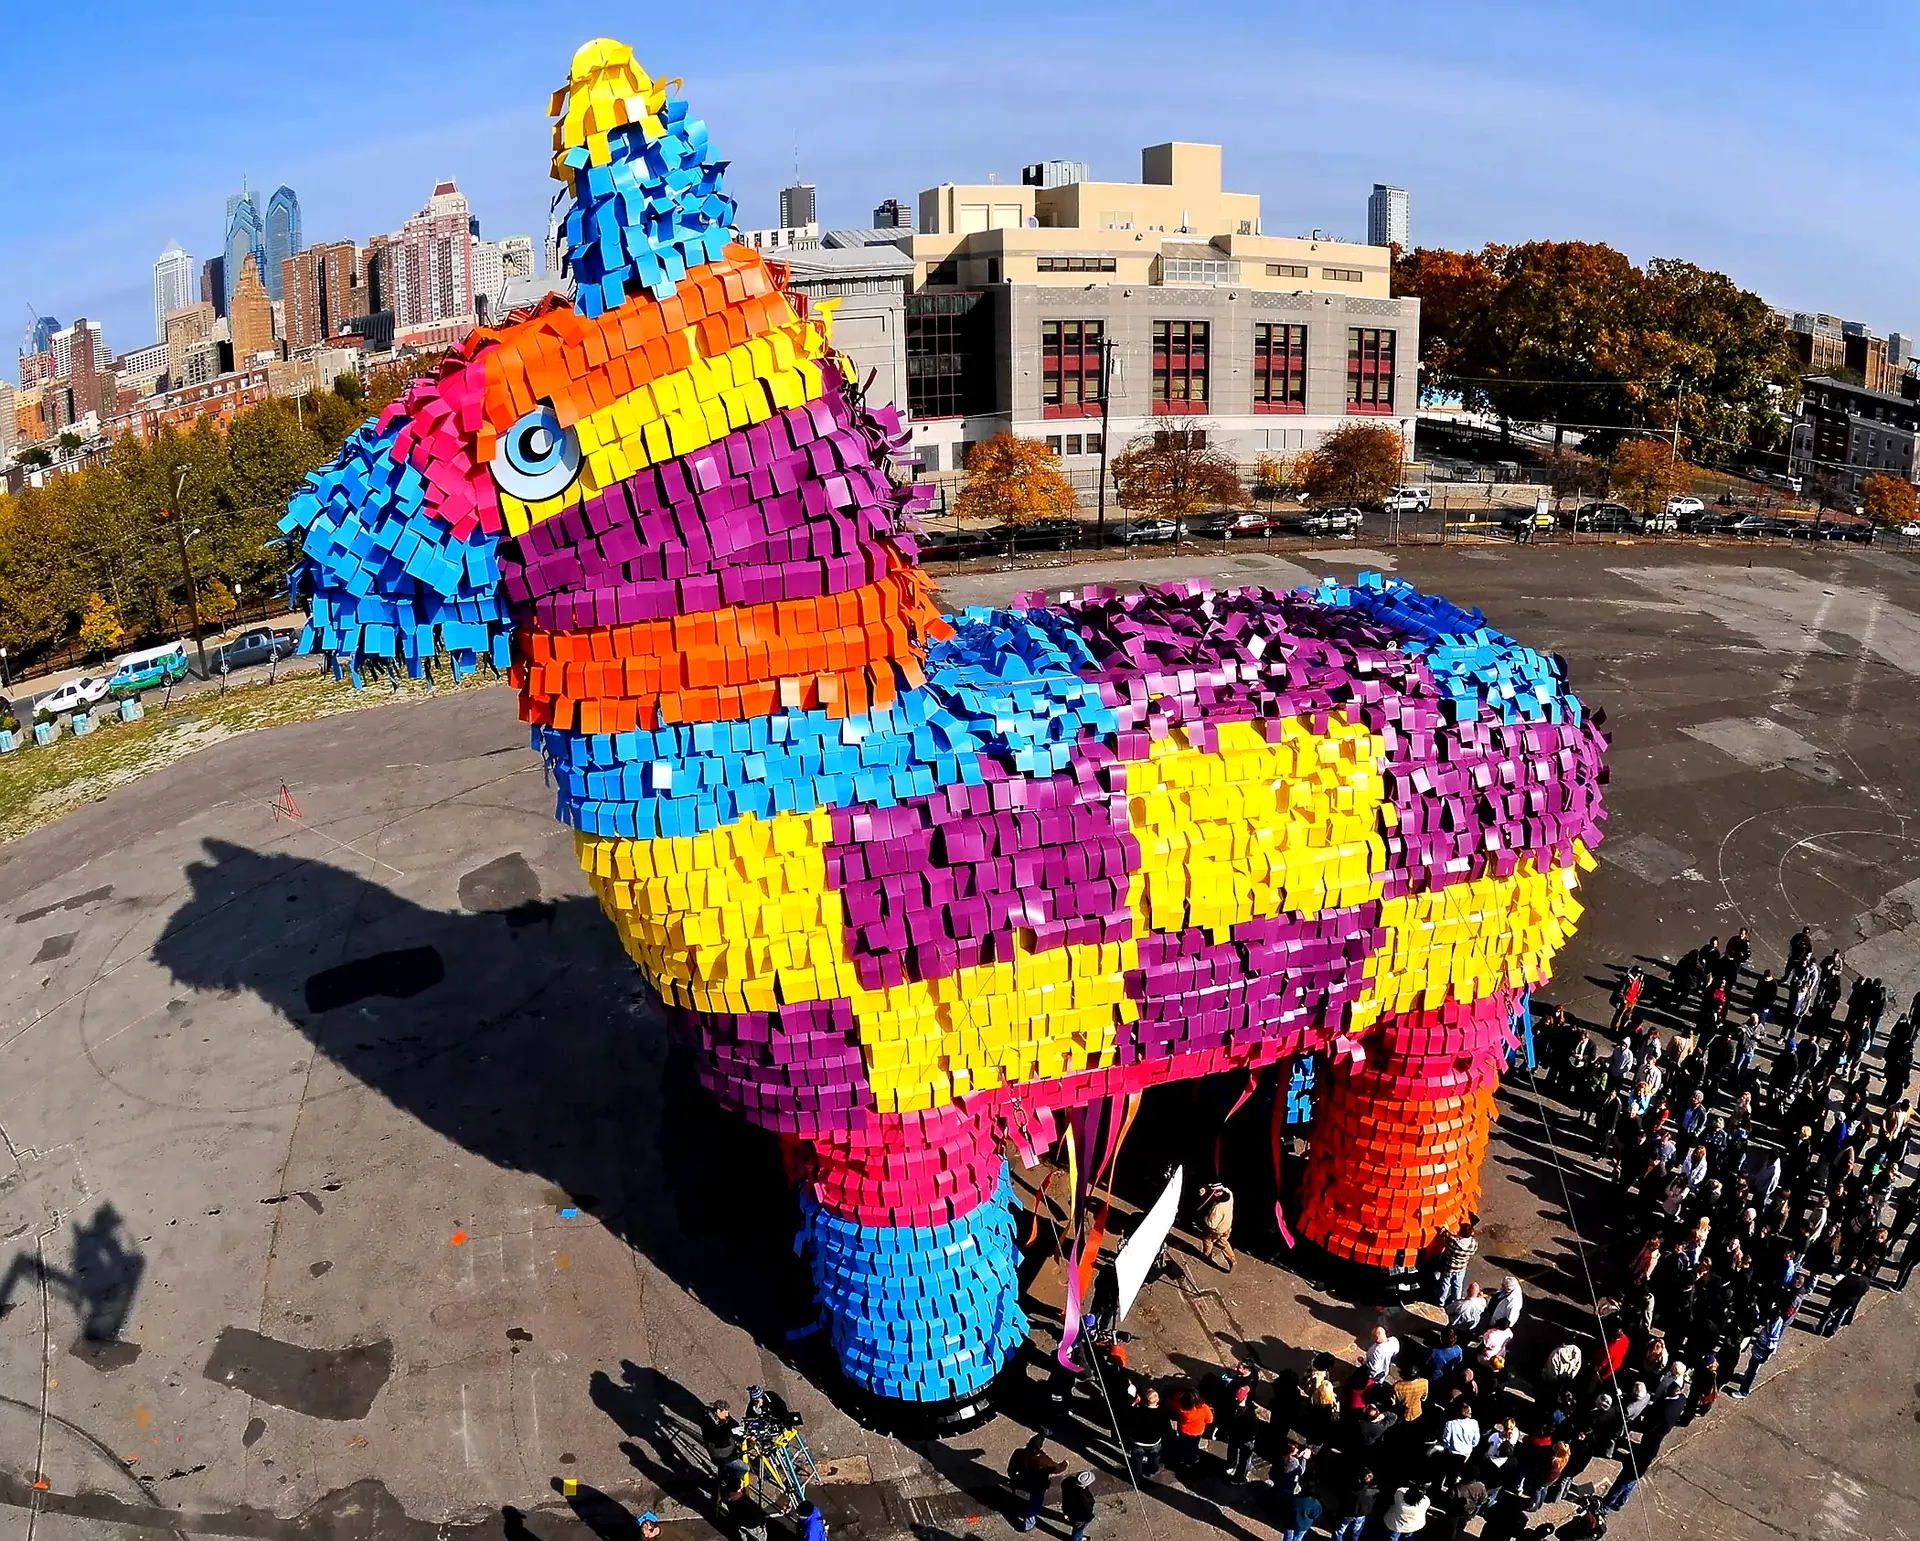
{"type": "Point", "coordinates": [1441, 109]}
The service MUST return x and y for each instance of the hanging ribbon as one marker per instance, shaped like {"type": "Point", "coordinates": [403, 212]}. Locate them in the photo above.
{"type": "Point", "coordinates": [1253, 1080]}
{"type": "Point", "coordinates": [1094, 1134]}
{"type": "Point", "coordinates": [1279, 1144]}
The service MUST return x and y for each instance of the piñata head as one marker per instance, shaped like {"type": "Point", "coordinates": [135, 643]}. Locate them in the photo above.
{"type": "Point", "coordinates": [918, 889]}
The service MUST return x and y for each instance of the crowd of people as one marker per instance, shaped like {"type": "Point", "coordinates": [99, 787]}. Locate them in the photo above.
{"type": "Point", "coordinates": [1758, 1173]}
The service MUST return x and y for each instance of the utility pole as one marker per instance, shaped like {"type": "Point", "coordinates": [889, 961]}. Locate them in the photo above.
{"type": "Point", "coordinates": [186, 565]}
{"type": "Point", "coordinates": [1106, 413]}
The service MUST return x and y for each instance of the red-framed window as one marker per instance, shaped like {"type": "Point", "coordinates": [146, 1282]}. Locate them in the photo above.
{"type": "Point", "coordinates": [1279, 368]}
{"type": "Point", "coordinates": [1369, 370]}
{"type": "Point", "coordinates": [1179, 367]}
{"type": "Point", "coordinates": [1070, 378]}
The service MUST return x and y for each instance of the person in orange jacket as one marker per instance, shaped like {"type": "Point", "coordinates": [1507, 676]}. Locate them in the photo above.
{"type": "Point", "coordinates": [1191, 1418]}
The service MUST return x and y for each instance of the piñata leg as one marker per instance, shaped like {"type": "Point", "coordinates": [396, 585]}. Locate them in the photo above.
{"type": "Point", "coordinates": [1399, 1139]}
{"type": "Point", "coordinates": [909, 1227]}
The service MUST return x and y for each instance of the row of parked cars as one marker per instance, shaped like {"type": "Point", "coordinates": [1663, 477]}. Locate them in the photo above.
{"type": "Point", "coordinates": [1078, 534]}
{"type": "Point", "coordinates": [156, 667]}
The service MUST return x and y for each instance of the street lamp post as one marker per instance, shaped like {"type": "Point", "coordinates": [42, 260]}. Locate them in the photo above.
{"type": "Point", "coordinates": [186, 566]}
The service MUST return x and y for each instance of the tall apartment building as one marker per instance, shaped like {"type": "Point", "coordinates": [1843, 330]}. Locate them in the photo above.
{"type": "Point", "coordinates": [1899, 351]}
{"type": "Point", "coordinates": [142, 370]}
{"type": "Point", "coordinates": [325, 288]}
{"type": "Point", "coordinates": [282, 237]}
{"type": "Point", "coordinates": [796, 205]}
{"type": "Point", "coordinates": [893, 215]}
{"type": "Point", "coordinates": [37, 368]}
{"type": "Point", "coordinates": [250, 315]}
{"type": "Point", "coordinates": [1387, 216]}
{"type": "Point", "coordinates": [516, 255]}
{"type": "Point", "coordinates": [172, 286]}
{"type": "Point", "coordinates": [432, 272]}
{"type": "Point", "coordinates": [488, 275]}
{"type": "Point", "coordinates": [83, 383]}
{"type": "Point", "coordinates": [190, 331]}
{"type": "Point", "coordinates": [1034, 309]}
{"type": "Point", "coordinates": [9, 422]}
{"type": "Point", "coordinates": [246, 236]}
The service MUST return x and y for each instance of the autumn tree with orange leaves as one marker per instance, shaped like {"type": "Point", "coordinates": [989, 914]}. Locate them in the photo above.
{"type": "Point", "coordinates": [1015, 482]}
{"type": "Point", "coordinates": [1573, 334]}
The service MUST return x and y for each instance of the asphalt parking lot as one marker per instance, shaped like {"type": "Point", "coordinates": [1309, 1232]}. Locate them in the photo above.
{"type": "Point", "coordinates": [295, 1111]}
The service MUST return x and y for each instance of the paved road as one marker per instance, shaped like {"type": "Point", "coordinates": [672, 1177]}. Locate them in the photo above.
{"type": "Point", "coordinates": [258, 1075]}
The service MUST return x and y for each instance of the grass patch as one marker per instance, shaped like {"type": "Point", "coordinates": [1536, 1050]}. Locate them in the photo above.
{"type": "Point", "coordinates": [38, 785]}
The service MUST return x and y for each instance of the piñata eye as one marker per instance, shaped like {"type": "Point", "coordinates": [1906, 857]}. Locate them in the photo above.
{"type": "Point", "coordinates": [537, 458]}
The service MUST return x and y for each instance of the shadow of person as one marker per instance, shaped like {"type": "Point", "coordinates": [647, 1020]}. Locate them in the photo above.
{"type": "Point", "coordinates": [604, 1516]}
{"type": "Point", "coordinates": [519, 1030]}
{"type": "Point", "coordinates": [99, 1284]}
{"type": "Point", "coordinates": [653, 1407]}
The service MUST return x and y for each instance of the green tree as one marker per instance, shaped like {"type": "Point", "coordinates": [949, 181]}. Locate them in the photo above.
{"type": "Point", "coordinates": [1356, 463]}
{"type": "Point", "coordinates": [36, 455]}
{"type": "Point", "coordinates": [100, 629]}
{"type": "Point", "coordinates": [1172, 474]}
{"type": "Point", "coordinates": [1890, 501]}
{"type": "Point", "coordinates": [68, 443]}
{"type": "Point", "coordinates": [346, 385]}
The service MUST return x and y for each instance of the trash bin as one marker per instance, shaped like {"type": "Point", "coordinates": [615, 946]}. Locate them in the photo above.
{"type": "Point", "coordinates": [45, 732]}
{"type": "Point", "coordinates": [9, 741]}
{"type": "Point", "coordinates": [131, 710]}
{"type": "Point", "coordinates": [82, 724]}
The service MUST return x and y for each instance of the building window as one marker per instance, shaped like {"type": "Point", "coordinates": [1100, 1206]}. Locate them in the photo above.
{"type": "Point", "coordinates": [1279, 368]}
{"type": "Point", "coordinates": [1198, 270]}
{"type": "Point", "coordinates": [1073, 444]}
{"type": "Point", "coordinates": [993, 270]}
{"type": "Point", "coordinates": [1369, 370]}
{"type": "Point", "coordinates": [936, 352]}
{"type": "Point", "coordinates": [1053, 444]}
{"type": "Point", "coordinates": [1179, 367]}
{"type": "Point", "coordinates": [1180, 438]}
{"type": "Point", "coordinates": [1094, 443]}
{"type": "Point", "coordinates": [1076, 264]}
{"type": "Point", "coordinates": [944, 273]}
{"type": "Point", "coordinates": [1070, 360]}
{"type": "Point", "coordinates": [1286, 270]}
{"type": "Point", "coordinates": [1343, 275]}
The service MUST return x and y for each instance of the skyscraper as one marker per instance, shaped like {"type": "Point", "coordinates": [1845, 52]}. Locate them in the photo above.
{"type": "Point", "coordinates": [282, 237]}
{"type": "Point", "coordinates": [796, 205]}
{"type": "Point", "coordinates": [172, 286]}
{"type": "Point", "coordinates": [39, 338]}
{"type": "Point", "coordinates": [516, 255]}
{"type": "Point", "coordinates": [213, 284]}
{"type": "Point", "coordinates": [431, 267]}
{"type": "Point", "coordinates": [250, 315]}
{"type": "Point", "coordinates": [893, 215]}
{"type": "Point", "coordinates": [1387, 216]}
{"type": "Point", "coordinates": [325, 288]}
{"type": "Point", "coordinates": [246, 236]}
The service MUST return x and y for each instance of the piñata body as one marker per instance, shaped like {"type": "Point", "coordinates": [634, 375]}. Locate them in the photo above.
{"type": "Point", "coordinates": [919, 888]}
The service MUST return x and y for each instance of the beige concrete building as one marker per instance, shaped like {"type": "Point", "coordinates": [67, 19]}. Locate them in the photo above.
{"type": "Point", "coordinates": [250, 314]}
{"type": "Point", "coordinates": [1036, 308]}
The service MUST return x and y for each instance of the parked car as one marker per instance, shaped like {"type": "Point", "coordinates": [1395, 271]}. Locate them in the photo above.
{"type": "Point", "coordinates": [74, 696]}
{"type": "Point", "coordinates": [1142, 532]}
{"type": "Point", "coordinates": [1329, 521]}
{"type": "Point", "coordinates": [958, 545]}
{"type": "Point", "coordinates": [1911, 531]}
{"type": "Point", "coordinates": [1662, 523]}
{"type": "Point", "coordinates": [1681, 507]}
{"type": "Point", "coordinates": [147, 670]}
{"type": "Point", "coordinates": [254, 647]}
{"type": "Point", "coordinates": [1409, 500]}
{"type": "Point", "coordinates": [1241, 526]}
{"type": "Point", "coordinates": [1708, 521]}
{"type": "Point", "coordinates": [1046, 535]}
{"type": "Point", "coordinates": [1761, 526]}
{"type": "Point", "coordinates": [1601, 518]}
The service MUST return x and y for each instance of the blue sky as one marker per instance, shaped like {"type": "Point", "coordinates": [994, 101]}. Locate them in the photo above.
{"type": "Point", "coordinates": [1774, 142]}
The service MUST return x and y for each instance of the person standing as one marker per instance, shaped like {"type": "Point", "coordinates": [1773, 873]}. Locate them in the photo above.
{"type": "Point", "coordinates": [1460, 1440]}
{"type": "Point", "coordinates": [1381, 1352]}
{"type": "Point", "coordinates": [1214, 1220]}
{"type": "Point", "coordinates": [1299, 1512]}
{"type": "Point", "coordinates": [1626, 997]}
{"type": "Point", "coordinates": [1506, 1305]}
{"type": "Point", "coordinates": [1406, 1512]}
{"type": "Point", "coordinates": [1357, 1507]}
{"type": "Point", "coordinates": [1455, 1260]}
{"type": "Point", "coordinates": [1077, 1504]}
{"type": "Point", "coordinates": [1191, 1416]}
{"type": "Point", "coordinates": [1029, 1473]}
{"type": "Point", "coordinates": [1847, 1293]}
{"type": "Point", "coordinates": [1146, 1423]}
{"type": "Point", "coordinates": [1240, 1427]}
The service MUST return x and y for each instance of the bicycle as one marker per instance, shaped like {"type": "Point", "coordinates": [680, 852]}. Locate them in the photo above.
{"type": "Point", "coordinates": [779, 1464]}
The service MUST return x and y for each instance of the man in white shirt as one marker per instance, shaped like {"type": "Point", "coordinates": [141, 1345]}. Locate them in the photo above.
{"type": "Point", "coordinates": [1506, 1305]}
{"type": "Point", "coordinates": [1465, 1315]}
{"type": "Point", "coordinates": [1381, 1353]}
